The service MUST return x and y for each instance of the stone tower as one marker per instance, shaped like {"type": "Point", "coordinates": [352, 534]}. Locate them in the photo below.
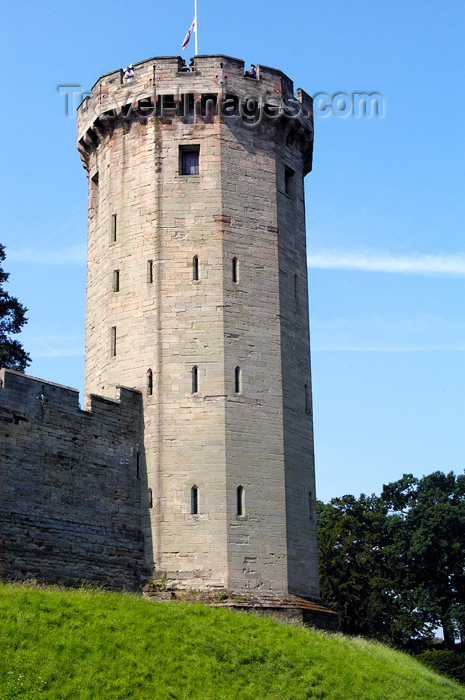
{"type": "Point", "coordinates": [197, 296]}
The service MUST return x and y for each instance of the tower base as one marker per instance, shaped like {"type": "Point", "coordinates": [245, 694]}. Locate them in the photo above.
{"type": "Point", "coordinates": [284, 608]}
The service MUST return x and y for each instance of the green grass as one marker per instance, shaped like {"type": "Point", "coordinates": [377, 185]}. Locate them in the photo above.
{"type": "Point", "coordinates": [82, 644]}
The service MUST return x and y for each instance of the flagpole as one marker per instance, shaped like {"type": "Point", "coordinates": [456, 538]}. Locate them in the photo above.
{"type": "Point", "coordinates": [195, 20]}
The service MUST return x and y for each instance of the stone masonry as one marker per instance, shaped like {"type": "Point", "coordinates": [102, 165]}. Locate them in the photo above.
{"type": "Point", "coordinates": [200, 474]}
{"type": "Point", "coordinates": [205, 273]}
{"type": "Point", "coordinates": [70, 493]}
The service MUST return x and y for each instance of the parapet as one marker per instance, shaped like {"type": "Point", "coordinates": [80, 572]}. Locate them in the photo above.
{"type": "Point", "coordinates": [160, 88]}
{"type": "Point", "coordinates": [21, 396]}
{"type": "Point", "coordinates": [210, 74]}
{"type": "Point", "coordinates": [70, 482]}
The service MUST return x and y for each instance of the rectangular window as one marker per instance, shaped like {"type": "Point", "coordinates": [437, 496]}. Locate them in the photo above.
{"type": "Point", "coordinates": [194, 500]}
{"type": "Point", "coordinates": [308, 402]}
{"type": "Point", "coordinates": [240, 501]}
{"type": "Point", "coordinates": [149, 271]}
{"type": "Point", "coordinates": [113, 341]}
{"type": "Point", "coordinates": [116, 280]}
{"type": "Point", "coordinates": [289, 181]}
{"type": "Point", "coordinates": [189, 160]}
{"type": "Point", "coordinates": [149, 382]}
{"type": "Point", "coordinates": [195, 380]}
{"type": "Point", "coordinates": [235, 270]}
{"type": "Point", "coordinates": [94, 191]}
{"type": "Point", "coordinates": [237, 380]}
{"type": "Point", "coordinates": [113, 228]}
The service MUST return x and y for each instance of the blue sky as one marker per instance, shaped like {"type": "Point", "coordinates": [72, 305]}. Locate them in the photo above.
{"type": "Point", "coordinates": [385, 203]}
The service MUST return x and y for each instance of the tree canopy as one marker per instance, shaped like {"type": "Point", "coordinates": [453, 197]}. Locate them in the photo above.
{"type": "Point", "coordinates": [394, 565]}
{"type": "Point", "coordinates": [12, 319]}
{"type": "Point", "coordinates": [360, 571]}
{"type": "Point", "coordinates": [428, 527]}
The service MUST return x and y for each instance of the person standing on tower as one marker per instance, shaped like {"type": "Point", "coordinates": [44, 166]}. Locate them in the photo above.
{"type": "Point", "coordinates": [129, 74]}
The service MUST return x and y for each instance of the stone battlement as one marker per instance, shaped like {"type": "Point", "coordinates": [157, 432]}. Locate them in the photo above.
{"type": "Point", "coordinates": [160, 88]}
{"type": "Point", "coordinates": [197, 296]}
{"type": "Point", "coordinates": [165, 72]}
{"type": "Point", "coordinates": [70, 507]}
{"type": "Point", "coordinates": [201, 478]}
{"type": "Point", "coordinates": [22, 395]}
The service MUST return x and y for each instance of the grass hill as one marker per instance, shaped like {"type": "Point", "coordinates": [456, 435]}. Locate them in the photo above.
{"type": "Point", "coordinates": [82, 644]}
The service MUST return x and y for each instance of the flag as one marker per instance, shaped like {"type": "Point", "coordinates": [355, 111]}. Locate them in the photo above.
{"type": "Point", "coordinates": [188, 35]}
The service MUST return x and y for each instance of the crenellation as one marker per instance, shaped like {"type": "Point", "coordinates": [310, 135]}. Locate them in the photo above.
{"type": "Point", "coordinates": [196, 259]}
{"type": "Point", "coordinates": [159, 80]}
{"type": "Point", "coordinates": [75, 496]}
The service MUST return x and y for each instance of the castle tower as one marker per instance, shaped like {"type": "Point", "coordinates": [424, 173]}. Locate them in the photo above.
{"type": "Point", "coordinates": [197, 296]}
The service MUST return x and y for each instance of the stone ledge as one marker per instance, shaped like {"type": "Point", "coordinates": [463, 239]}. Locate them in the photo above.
{"type": "Point", "coordinates": [285, 608]}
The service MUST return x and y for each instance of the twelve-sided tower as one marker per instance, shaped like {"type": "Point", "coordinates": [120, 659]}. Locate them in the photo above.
{"type": "Point", "coordinates": [197, 296]}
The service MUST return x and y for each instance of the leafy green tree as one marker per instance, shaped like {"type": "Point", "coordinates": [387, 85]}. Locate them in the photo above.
{"type": "Point", "coordinates": [12, 319]}
{"type": "Point", "coordinates": [360, 572]}
{"type": "Point", "coordinates": [427, 523]}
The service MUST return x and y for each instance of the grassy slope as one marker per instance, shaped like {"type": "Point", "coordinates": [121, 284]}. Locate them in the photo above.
{"type": "Point", "coordinates": [83, 644]}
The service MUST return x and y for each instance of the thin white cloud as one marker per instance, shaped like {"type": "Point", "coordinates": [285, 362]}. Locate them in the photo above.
{"type": "Point", "coordinates": [75, 255]}
{"type": "Point", "coordinates": [367, 348]}
{"type": "Point", "coordinates": [452, 265]}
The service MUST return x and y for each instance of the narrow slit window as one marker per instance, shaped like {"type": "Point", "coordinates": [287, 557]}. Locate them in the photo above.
{"type": "Point", "coordinates": [289, 181]}
{"type": "Point", "coordinates": [150, 498]}
{"type": "Point", "coordinates": [195, 268]}
{"type": "Point", "coordinates": [237, 380]}
{"type": "Point", "coordinates": [149, 271]}
{"type": "Point", "coordinates": [113, 341]}
{"type": "Point", "coordinates": [295, 287]}
{"type": "Point", "coordinates": [189, 160]}
{"type": "Point", "coordinates": [113, 228]}
{"type": "Point", "coordinates": [308, 407]}
{"type": "Point", "coordinates": [240, 500]}
{"type": "Point", "coordinates": [195, 379]}
{"type": "Point", "coordinates": [116, 280]}
{"type": "Point", "coordinates": [149, 382]}
{"type": "Point", "coordinates": [235, 270]}
{"type": "Point", "coordinates": [194, 500]}
{"type": "Point", "coordinates": [310, 506]}
{"type": "Point", "coordinates": [94, 191]}
{"type": "Point", "coordinates": [138, 465]}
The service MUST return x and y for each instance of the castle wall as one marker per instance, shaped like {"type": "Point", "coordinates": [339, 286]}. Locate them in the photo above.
{"type": "Point", "coordinates": [301, 522]}
{"type": "Point", "coordinates": [216, 438]}
{"type": "Point", "coordinates": [70, 504]}
{"type": "Point", "coordinates": [254, 434]}
{"type": "Point", "coordinates": [166, 324]}
{"type": "Point", "coordinates": [191, 449]}
{"type": "Point", "coordinates": [205, 270]}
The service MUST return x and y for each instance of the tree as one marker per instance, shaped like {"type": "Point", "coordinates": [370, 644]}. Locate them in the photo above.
{"type": "Point", "coordinates": [427, 522]}
{"type": "Point", "coordinates": [394, 566]}
{"type": "Point", "coordinates": [360, 572]}
{"type": "Point", "coordinates": [12, 319]}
